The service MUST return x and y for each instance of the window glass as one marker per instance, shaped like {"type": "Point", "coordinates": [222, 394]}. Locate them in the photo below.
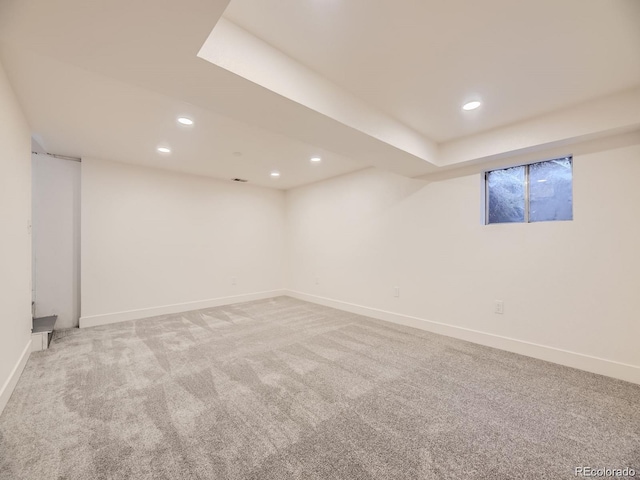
{"type": "Point", "coordinates": [550, 191]}
{"type": "Point", "coordinates": [506, 195]}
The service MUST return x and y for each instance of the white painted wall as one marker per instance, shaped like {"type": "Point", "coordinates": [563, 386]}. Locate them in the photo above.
{"type": "Point", "coordinates": [570, 286]}
{"type": "Point", "coordinates": [155, 242]}
{"type": "Point", "coordinates": [15, 240]}
{"type": "Point", "coordinates": [56, 238]}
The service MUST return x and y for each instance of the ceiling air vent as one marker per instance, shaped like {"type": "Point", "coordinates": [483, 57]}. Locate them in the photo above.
{"type": "Point", "coordinates": [241, 180]}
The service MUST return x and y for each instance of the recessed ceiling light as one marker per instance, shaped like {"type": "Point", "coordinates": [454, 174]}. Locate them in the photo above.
{"type": "Point", "coordinates": [185, 121]}
{"type": "Point", "coordinates": [275, 174]}
{"type": "Point", "coordinates": [164, 149]}
{"type": "Point", "coordinates": [471, 105]}
{"type": "Point", "coordinates": [316, 159]}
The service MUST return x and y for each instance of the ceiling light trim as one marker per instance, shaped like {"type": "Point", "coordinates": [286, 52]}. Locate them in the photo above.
{"type": "Point", "coordinates": [471, 105]}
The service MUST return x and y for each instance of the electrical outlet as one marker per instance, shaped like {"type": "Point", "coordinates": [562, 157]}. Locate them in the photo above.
{"type": "Point", "coordinates": [317, 281]}
{"type": "Point", "coordinates": [234, 281]}
{"type": "Point", "coordinates": [396, 292]}
{"type": "Point", "coordinates": [499, 307]}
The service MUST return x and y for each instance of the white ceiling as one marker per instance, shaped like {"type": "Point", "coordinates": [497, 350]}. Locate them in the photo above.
{"type": "Point", "coordinates": [419, 60]}
{"type": "Point", "coordinates": [108, 79]}
{"type": "Point", "coordinates": [75, 112]}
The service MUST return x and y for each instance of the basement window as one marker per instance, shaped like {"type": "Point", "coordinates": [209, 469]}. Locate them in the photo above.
{"type": "Point", "coordinates": [538, 192]}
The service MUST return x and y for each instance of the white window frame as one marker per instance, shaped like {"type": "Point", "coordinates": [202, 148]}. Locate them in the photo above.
{"type": "Point", "coordinates": [485, 190]}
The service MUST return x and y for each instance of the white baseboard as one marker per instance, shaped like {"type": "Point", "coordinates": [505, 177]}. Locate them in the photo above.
{"type": "Point", "coordinates": [10, 384]}
{"type": "Point", "coordinates": [610, 368]}
{"type": "Point", "coordinates": [107, 318]}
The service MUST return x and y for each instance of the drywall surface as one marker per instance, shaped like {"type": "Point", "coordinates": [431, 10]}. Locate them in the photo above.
{"type": "Point", "coordinates": [569, 286]}
{"type": "Point", "coordinates": [157, 242]}
{"type": "Point", "coordinates": [15, 246]}
{"type": "Point", "coordinates": [56, 238]}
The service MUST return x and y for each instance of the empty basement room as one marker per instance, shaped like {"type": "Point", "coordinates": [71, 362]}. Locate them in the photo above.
{"type": "Point", "coordinates": [319, 239]}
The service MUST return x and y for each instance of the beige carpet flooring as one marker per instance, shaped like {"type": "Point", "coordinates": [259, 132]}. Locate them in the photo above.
{"type": "Point", "coordinates": [284, 389]}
